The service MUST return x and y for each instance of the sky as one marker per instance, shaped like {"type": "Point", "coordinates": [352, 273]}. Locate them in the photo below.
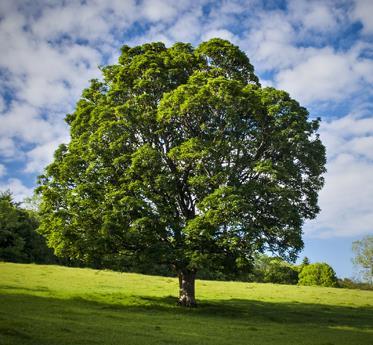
{"type": "Point", "coordinates": [321, 52]}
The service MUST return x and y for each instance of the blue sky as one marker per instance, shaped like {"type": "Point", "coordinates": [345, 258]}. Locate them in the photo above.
{"type": "Point", "coordinates": [321, 52]}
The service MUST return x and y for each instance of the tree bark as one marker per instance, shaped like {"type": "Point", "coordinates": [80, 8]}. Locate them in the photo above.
{"type": "Point", "coordinates": [187, 289]}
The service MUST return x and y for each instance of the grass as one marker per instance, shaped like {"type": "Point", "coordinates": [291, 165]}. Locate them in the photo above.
{"type": "Point", "coordinates": [53, 305]}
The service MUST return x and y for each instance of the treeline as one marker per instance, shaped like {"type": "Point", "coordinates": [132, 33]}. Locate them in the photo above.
{"type": "Point", "coordinates": [19, 239]}
{"type": "Point", "coordinates": [20, 242]}
{"type": "Point", "coordinates": [267, 269]}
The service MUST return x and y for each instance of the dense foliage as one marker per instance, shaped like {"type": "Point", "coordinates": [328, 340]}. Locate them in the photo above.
{"type": "Point", "coordinates": [320, 274]}
{"type": "Point", "coordinates": [19, 241]}
{"type": "Point", "coordinates": [179, 157]}
{"type": "Point", "coordinates": [274, 270]}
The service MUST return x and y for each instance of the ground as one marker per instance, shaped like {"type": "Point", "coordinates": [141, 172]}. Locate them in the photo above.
{"type": "Point", "coordinates": [58, 305]}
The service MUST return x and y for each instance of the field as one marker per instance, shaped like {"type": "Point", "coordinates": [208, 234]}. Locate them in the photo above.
{"type": "Point", "coordinates": [58, 305]}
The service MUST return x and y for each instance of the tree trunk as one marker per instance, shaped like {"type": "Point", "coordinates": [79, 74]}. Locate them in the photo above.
{"type": "Point", "coordinates": [187, 288]}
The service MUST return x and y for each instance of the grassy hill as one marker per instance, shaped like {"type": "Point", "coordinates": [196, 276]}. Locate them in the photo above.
{"type": "Point", "coordinates": [58, 305]}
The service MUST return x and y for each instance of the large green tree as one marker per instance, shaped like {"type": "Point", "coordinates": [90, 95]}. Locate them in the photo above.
{"type": "Point", "coordinates": [180, 157]}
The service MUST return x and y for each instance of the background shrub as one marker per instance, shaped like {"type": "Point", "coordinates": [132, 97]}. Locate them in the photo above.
{"type": "Point", "coordinates": [320, 274]}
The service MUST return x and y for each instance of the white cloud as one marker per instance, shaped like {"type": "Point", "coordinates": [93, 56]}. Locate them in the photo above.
{"type": "Point", "coordinates": [17, 188]}
{"type": "Point", "coordinates": [324, 76]}
{"type": "Point", "coordinates": [219, 33]}
{"type": "Point", "coordinates": [3, 171]}
{"type": "Point", "coordinates": [2, 104]}
{"type": "Point", "coordinates": [163, 10]}
{"type": "Point", "coordinates": [8, 148]}
{"type": "Point", "coordinates": [363, 12]}
{"type": "Point", "coordinates": [24, 123]}
{"type": "Point", "coordinates": [270, 41]}
{"type": "Point", "coordinates": [346, 200]}
{"type": "Point", "coordinates": [72, 20]}
{"type": "Point", "coordinates": [278, 39]}
{"type": "Point", "coordinates": [39, 71]}
{"type": "Point", "coordinates": [317, 16]}
{"type": "Point", "coordinates": [364, 68]}
{"type": "Point", "coordinates": [44, 78]}
{"type": "Point", "coordinates": [39, 157]}
{"type": "Point", "coordinates": [363, 146]}
{"type": "Point", "coordinates": [187, 28]}
{"type": "Point", "coordinates": [296, 46]}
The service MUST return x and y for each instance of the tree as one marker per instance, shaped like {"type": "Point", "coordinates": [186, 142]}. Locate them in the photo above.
{"type": "Point", "coordinates": [305, 261]}
{"type": "Point", "coordinates": [11, 243]}
{"type": "Point", "coordinates": [19, 241]}
{"type": "Point", "coordinates": [180, 157]}
{"type": "Point", "coordinates": [281, 272]}
{"type": "Point", "coordinates": [274, 270]}
{"type": "Point", "coordinates": [320, 274]}
{"type": "Point", "coordinates": [363, 250]}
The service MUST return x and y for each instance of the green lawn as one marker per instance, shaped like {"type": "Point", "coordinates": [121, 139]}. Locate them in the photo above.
{"type": "Point", "coordinates": [58, 305]}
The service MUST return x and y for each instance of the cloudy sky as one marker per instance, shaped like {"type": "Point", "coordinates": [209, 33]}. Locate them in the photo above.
{"type": "Point", "coordinates": [321, 52]}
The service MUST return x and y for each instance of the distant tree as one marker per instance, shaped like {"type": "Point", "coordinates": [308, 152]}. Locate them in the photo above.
{"type": "Point", "coordinates": [273, 270]}
{"type": "Point", "coordinates": [363, 259]}
{"type": "Point", "coordinates": [180, 157]}
{"type": "Point", "coordinates": [305, 261]}
{"type": "Point", "coordinates": [281, 272]}
{"type": "Point", "coordinates": [320, 274]}
{"type": "Point", "coordinates": [347, 283]}
{"type": "Point", "coordinates": [19, 241]}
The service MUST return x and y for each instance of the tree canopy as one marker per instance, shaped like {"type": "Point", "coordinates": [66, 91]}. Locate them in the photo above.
{"type": "Point", "coordinates": [179, 156]}
{"type": "Point", "coordinates": [320, 274]}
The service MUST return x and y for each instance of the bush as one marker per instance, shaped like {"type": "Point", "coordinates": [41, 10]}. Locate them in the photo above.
{"type": "Point", "coordinates": [320, 274]}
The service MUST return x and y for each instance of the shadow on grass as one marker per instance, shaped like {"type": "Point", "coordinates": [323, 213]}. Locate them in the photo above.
{"type": "Point", "coordinates": [234, 309]}
{"type": "Point", "coordinates": [22, 314]}
{"type": "Point", "coordinates": [283, 313]}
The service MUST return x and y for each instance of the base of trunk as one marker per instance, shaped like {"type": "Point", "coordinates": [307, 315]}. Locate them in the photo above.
{"type": "Point", "coordinates": [185, 301]}
{"type": "Point", "coordinates": [187, 289]}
